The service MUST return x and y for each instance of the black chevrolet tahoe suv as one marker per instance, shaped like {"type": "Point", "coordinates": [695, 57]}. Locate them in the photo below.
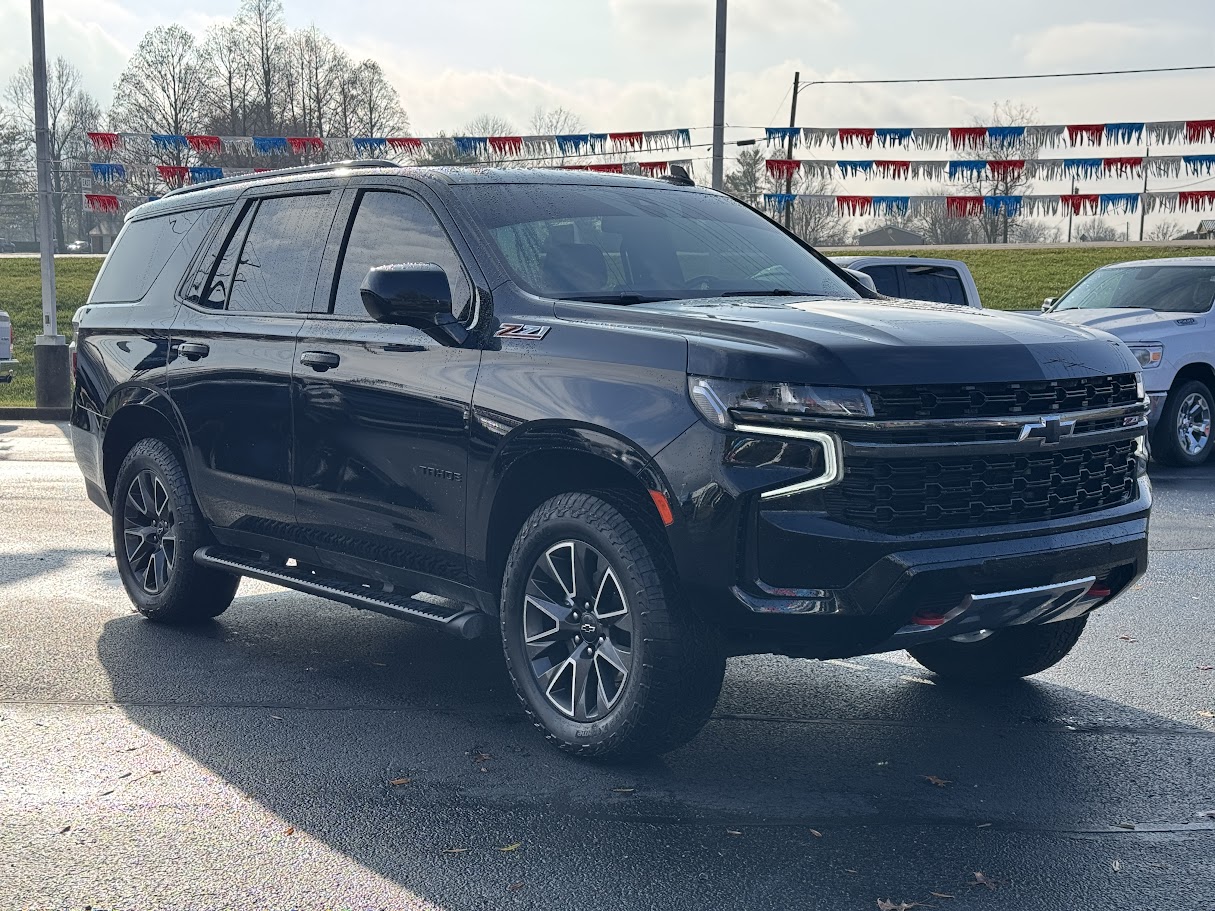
{"type": "Point", "coordinates": [631, 426]}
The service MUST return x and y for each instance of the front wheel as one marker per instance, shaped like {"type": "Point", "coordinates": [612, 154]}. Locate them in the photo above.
{"type": "Point", "coordinates": [604, 653]}
{"type": "Point", "coordinates": [1007, 654]}
{"type": "Point", "coordinates": [1183, 434]}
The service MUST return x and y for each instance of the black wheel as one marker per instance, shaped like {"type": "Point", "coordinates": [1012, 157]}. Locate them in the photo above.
{"type": "Point", "coordinates": [1016, 651]}
{"type": "Point", "coordinates": [605, 655]}
{"type": "Point", "coordinates": [1183, 434]}
{"type": "Point", "coordinates": [157, 527]}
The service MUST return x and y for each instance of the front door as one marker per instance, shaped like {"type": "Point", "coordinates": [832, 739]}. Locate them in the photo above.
{"type": "Point", "coordinates": [382, 411]}
{"type": "Point", "coordinates": [232, 347]}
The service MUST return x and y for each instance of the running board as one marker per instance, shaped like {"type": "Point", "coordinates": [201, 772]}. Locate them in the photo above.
{"type": "Point", "coordinates": [459, 620]}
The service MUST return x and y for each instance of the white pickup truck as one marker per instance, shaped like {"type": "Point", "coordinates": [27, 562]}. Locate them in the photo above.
{"type": "Point", "coordinates": [6, 346]}
{"type": "Point", "coordinates": [1161, 308]}
{"type": "Point", "coordinates": [919, 278]}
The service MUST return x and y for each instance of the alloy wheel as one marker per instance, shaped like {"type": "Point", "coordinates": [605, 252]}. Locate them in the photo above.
{"type": "Point", "coordinates": [149, 532]}
{"type": "Point", "coordinates": [577, 631]}
{"type": "Point", "coordinates": [1194, 423]}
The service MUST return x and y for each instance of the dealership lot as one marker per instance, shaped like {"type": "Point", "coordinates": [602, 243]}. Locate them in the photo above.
{"type": "Point", "coordinates": [299, 754]}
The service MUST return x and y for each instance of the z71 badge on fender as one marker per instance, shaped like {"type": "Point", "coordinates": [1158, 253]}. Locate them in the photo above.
{"type": "Point", "coordinates": [519, 330]}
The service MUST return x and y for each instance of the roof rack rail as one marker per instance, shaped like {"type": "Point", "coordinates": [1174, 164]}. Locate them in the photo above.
{"type": "Point", "coordinates": [279, 172]}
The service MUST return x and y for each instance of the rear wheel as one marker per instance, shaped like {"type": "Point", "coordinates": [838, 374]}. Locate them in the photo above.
{"type": "Point", "coordinates": [1017, 651]}
{"type": "Point", "coordinates": [157, 527]}
{"type": "Point", "coordinates": [604, 653]}
{"type": "Point", "coordinates": [1183, 434]}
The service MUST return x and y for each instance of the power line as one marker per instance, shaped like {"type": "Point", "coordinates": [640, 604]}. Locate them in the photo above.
{"type": "Point", "coordinates": [1160, 69]}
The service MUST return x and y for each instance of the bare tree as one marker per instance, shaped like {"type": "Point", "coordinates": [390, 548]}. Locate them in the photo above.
{"type": "Point", "coordinates": [1096, 229]}
{"type": "Point", "coordinates": [70, 112]}
{"type": "Point", "coordinates": [748, 179]}
{"type": "Point", "coordinates": [264, 33]}
{"type": "Point", "coordinates": [1035, 231]}
{"type": "Point", "coordinates": [1165, 230]}
{"type": "Point", "coordinates": [814, 224]}
{"type": "Point", "coordinates": [228, 87]}
{"type": "Point", "coordinates": [996, 227]}
{"type": "Point", "coordinates": [16, 178]}
{"type": "Point", "coordinates": [366, 105]}
{"type": "Point", "coordinates": [162, 88]}
{"type": "Point", "coordinates": [553, 122]}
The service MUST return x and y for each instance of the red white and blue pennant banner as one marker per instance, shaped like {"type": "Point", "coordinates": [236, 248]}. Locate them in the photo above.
{"type": "Point", "coordinates": [1053, 204]}
{"type": "Point", "coordinates": [1157, 133]}
{"type": "Point", "coordinates": [971, 169]}
{"type": "Point", "coordinates": [400, 146]}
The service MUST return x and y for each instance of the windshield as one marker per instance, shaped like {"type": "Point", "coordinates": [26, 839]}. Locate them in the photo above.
{"type": "Point", "coordinates": [636, 244]}
{"type": "Point", "coordinates": [1172, 289]}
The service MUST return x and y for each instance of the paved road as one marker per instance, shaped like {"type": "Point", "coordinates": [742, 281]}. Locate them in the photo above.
{"type": "Point", "coordinates": [249, 763]}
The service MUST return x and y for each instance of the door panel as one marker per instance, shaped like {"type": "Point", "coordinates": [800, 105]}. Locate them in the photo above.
{"type": "Point", "coordinates": [382, 446]}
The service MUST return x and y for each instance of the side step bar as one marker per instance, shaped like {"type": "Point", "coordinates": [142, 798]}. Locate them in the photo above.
{"type": "Point", "coordinates": [459, 620]}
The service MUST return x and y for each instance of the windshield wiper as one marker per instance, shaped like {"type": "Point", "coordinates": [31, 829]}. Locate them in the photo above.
{"type": "Point", "coordinates": [775, 292]}
{"type": "Point", "coordinates": [614, 298]}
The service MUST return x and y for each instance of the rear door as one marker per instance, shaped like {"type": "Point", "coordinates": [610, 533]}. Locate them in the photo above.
{"type": "Point", "coordinates": [382, 411]}
{"type": "Point", "coordinates": [230, 359]}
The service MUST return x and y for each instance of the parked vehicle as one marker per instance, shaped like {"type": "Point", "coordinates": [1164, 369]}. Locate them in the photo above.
{"type": "Point", "coordinates": [78, 246]}
{"type": "Point", "coordinates": [6, 346]}
{"type": "Point", "coordinates": [1161, 308]}
{"type": "Point", "coordinates": [7, 246]}
{"type": "Point", "coordinates": [629, 426]}
{"type": "Point", "coordinates": [946, 281]}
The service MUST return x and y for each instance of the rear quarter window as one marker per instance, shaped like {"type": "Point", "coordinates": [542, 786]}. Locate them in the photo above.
{"type": "Point", "coordinates": [145, 248]}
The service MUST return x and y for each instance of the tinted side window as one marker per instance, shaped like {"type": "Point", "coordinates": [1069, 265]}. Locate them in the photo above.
{"type": "Point", "coordinates": [395, 228]}
{"type": "Point", "coordinates": [145, 247]}
{"type": "Point", "coordinates": [934, 283]}
{"type": "Point", "coordinates": [279, 260]}
{"type": "Point", "coordinates": [218, 284]}
{"type": "Point", "coordinates": [885, 279]}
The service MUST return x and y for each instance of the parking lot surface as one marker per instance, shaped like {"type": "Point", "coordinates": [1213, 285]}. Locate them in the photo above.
{"type": "Point", "coordinates": [300, 754]}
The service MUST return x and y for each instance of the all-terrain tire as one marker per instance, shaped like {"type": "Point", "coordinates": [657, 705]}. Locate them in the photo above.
{"type": "Point", "coordinates": [1016, 651]}
{"type": "Point", "coordinates": [187, 592]}
{"type": "Point", "coordinates": [1166, 440]}
{"type": "Point", "coordinates": [677, 660]}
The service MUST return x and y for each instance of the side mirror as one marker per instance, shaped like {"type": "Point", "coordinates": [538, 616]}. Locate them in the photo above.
{"type": "Point", "coordinates": [1047, 304]}
{"type": "Point", "coordinates": [413, 294]}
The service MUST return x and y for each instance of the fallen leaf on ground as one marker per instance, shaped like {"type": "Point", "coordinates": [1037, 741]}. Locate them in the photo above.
{"type": "Point", "coordinates": [514, 887]}
{"type": "Point", "coordinates": [623, 790]}
{"type": "Point", "coordinates": [1125, 638]}
{"type": "Point", "coordinates": [400, 781]}
{"type": "Point", "coordinates": [1116, 866]}
{"type": "Point", "coordinates": [846, 870]}
{"type": "Point", "coordinates": [982, 880]}
{"type": "Point", "coordinates": [816, 833]}
{"type": "Point", "coordinates": [885, 904]}
{"type": "Point", "coordinates": [290, 830]}
{"type": "Point", "coordinates": [733, 832]}
{"type": "Point", "coordinates": [940, 895]}
{"type": "Point", "coordinates": [454, 850]}
{"type": "Point", "coordinates": [1206, 714]}
{"type": "Point", "coordinates": [939, 782]}
{"type": "Point", "coordinates": [481, 757]}
{"type": "Point", "coordinates": [514, 847]}
{"type": "Point", "coordinates": [65, 830]}
{"type": "Point", "coordinates": [1205, 667]}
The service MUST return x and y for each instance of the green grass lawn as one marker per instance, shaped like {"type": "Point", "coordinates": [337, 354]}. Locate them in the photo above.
{"type": "Point", "coordinates": [1007, 280]}
{"type": "Point", "coordinates": [21, 299]}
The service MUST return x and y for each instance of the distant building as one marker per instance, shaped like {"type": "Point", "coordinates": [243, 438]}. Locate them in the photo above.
{"type": "Point", "coordinates": [889, 236]}
{"type": "Point", "coordinates": [1206, 229]}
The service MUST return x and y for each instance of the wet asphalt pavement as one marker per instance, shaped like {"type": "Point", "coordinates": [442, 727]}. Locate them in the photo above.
{"type": "Point", "coordinates": [300, 754]}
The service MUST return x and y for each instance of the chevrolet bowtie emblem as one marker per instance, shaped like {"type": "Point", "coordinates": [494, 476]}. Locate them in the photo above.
{"type": "Point", "coordinates": [1049, 430]}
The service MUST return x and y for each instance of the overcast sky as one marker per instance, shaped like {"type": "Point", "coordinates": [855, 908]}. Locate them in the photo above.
{"type": "Point", "coordinates": [647, 64]}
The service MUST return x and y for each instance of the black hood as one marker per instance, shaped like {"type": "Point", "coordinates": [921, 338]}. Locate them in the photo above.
{"type": "Point", "coordinates": [849, 342]}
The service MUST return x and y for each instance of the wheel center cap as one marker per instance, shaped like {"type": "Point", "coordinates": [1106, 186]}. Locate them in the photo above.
{"type": "Point", "coordinates": [589, 630]}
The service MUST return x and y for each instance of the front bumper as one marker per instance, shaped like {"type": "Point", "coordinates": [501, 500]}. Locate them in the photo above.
{"type": "Point", "coordinates": [1157, 400]}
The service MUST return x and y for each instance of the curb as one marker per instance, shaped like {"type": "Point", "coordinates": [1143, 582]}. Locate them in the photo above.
{"type": "Point", "coordinates": [34, 414]}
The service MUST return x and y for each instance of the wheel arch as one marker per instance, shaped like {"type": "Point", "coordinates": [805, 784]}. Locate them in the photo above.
{"type": "Point", "coordinates": [134, 414]}
{"type": "Point", "coordinates": [1196, 370]}
{"type": "Point", "coordinates": [539, 463]}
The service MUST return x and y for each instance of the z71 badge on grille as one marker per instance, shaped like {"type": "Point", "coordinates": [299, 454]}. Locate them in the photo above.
{"type": "Point", "coordinates": [519, 330]}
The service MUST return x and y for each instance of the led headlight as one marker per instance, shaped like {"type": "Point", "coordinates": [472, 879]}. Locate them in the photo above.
{"type": "Point", "coordinates": [722, 402]}
{"type": "Point", "coordinates": [1148, 355]}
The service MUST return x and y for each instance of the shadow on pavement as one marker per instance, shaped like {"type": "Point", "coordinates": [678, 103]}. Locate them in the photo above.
{"type": "Point", "coordinates": [312, 710]}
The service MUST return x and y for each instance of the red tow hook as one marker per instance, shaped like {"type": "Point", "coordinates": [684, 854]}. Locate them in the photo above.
{"type": "Point", "coordinates": [928, 619]}
{"type": "Point", "coordinates": [1097, 591]}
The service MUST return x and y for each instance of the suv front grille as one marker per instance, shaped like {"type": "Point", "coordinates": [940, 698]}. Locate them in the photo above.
{"type": "Point", "coordinates": [904, 496]}
{"type": "Point", "coordinates": [933, 402]}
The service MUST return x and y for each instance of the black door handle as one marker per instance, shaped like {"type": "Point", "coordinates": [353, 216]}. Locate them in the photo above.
{"type": "Point", "coordinates": [320, 361]}
{"type": "Point", "coordinates": [192, 351]}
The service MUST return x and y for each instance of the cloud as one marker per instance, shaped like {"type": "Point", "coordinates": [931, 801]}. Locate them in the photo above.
{"type": "Point", "coordinates": [1114, 43]}
{"type": "Point", "coordinates": [669, 21]}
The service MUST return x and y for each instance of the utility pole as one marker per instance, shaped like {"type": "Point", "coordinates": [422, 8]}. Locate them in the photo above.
{"type": "Point", "coordinates": [719, 98]}
{"type": "Point", "coordinates": [1070, 210]}
{"type": "Point", "coordinates": [797, 78]}
{"type": "Point", "coordinates": [52, 379]}
{"type": "Point", "coordinates": [1143, 198]}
